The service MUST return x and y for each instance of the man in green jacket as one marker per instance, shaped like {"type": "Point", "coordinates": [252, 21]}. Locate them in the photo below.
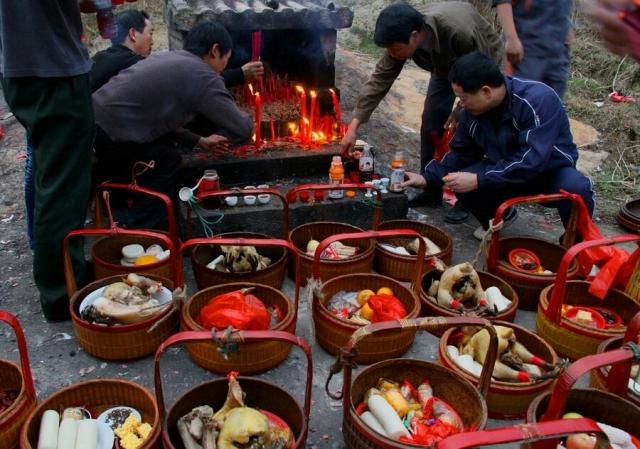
{"type": "Point", "coordinates": [434, 36]}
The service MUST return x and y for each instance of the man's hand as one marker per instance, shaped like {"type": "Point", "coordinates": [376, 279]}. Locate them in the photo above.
{"type": "Point", "coordinates": [218, 145]}
{"type": "Point", "coordinates": [513, 49]}
{"type": "Point", "coordinates": [252, 70]}
{"type": "Point", "coordinates": [414, 180]}
{"type": "Point", "coordinates": [349, 139]}
{"type": "Point", "coordinates": [461, 182]}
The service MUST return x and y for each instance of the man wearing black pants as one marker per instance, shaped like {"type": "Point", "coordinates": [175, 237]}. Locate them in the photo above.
{"type": "Point", "coordinates": [44, 68]}
{"type": "Point", "coordinates": [434, 37]}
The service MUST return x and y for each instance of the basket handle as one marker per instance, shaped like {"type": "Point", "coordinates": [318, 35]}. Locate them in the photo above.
{"type": "Point", "coordinates": [570, 232]}
{"type": "Point", "coordinates": [249, 242]}
{"type": "Point", "coordinates": [238, 337]}
{"type": "Point", "coordinates": [617, 379]}
{"type": "Point", "coordinates": [345, 359]}
{"type": "Point", "coordinates": [422, 249]}
{"type": "Point", "coordinates": [553, 311]}
{"type": "Point", "coordinates": [69, 275]}
{"type": "Point", "coordinates": [25, 367]}
{"type": "Point", "coordinates": [526, 433]}
{"type": "Point", "coordinates": [135, 188]}
{"type": "Point", "coordinates": [222, 193]}
{"type": "Point", "coordinates": [377, 209]}
{"type": "Point", "coordinates": [630, 352]}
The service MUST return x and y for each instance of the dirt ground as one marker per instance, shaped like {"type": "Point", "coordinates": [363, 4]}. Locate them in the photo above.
{"type": "Point", "coordinates": [56, 358]}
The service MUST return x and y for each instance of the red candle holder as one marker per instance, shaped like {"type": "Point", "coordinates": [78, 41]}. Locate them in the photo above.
{"type": "Point", "coordinates": [304, 196]}
{"type": "Point", "coordinates": [318, 195]}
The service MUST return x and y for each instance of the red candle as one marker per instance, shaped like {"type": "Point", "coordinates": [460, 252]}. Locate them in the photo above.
{"type": "Point", "coordinates": [303, 112]}
{"type": "Point", "coordinates": [291, 196]}
{"type": "Point", "coordinates": [336, 106]}
{"type": "Point", "coordinates": [258, 104]}
{"type": "Point", "coordinates": [256, 42]}
{"type": "Point", "coordinates": [312, 112]}
{"type": "Point", "coordinates": [318, 195]}
{"type": "Point", "coordinates": [304, 196]}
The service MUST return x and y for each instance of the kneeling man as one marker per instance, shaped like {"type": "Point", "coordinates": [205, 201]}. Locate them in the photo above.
{"type": "Point", "coordinates": [513, 138]}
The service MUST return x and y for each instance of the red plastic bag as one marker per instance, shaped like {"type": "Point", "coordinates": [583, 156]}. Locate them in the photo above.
{"type": "Point", "coordinates": [237, 309]}
{"type": "Point", "coordinates": [386, 308]}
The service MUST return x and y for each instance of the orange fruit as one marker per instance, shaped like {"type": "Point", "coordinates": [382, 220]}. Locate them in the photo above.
{"type": "Point", "coordinates": [366, 312]}
{"type": "Point", "coordinates": [146, 259]}
{"type": "Point", "coordinates": [385, 291]}
{"type": "Point", "coordinates": [364, 295]}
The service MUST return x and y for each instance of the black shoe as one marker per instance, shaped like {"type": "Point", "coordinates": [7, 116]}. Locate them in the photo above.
{"type": "Point", "coordinates": [429, 197]}
{"type": "Point", "coordinates": [457, 214]}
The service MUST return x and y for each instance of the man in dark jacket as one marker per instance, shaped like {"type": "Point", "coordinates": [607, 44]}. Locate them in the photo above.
{"type": "Point", "coordinates": [513, 139]}
{"type": "Point", "coordinates": [133, 43]}
{"type": "Point", "coordinates": [434, 36]}
{"type": "Point", "coordinates": [139, 111]}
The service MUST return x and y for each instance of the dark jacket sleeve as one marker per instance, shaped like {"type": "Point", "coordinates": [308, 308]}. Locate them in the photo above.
{"type": "Point", "coordinates": [495, 3]}
{"type": "Point", "coordinates": [233, 77]}
{"type": "Point", "coordinates": [542, 119]}
{"type": "Point", "coordinates": [218, 106]}
{"type": "Point", "coordinates": [186, 138]}
{"type": "Point", "coordinates": [463, 151]}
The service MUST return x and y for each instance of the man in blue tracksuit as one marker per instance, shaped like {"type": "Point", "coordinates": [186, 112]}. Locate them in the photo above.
{"type": "Point", "coordinates": [513, 138]}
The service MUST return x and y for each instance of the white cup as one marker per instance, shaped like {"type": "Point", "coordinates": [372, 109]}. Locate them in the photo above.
{"type": "Point", "coordinates": [376, 183]}
{"type": "Point", "coordinates": [263, 198]}
{"type": "Point", "coordinates": [384, 184]}
{"type": "Point", "coordinates": [231, 200]}
{"type": "Point", "coordinates": [249, 200]}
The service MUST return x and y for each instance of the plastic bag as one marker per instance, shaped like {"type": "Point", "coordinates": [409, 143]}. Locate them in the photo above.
{"type": "Point", "coordinates": [386, 308]}
{"type": "Point", "coordinates": [237, 309]}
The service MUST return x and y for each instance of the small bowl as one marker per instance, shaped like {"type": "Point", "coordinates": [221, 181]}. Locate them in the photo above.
{"type": "Point", "coordinates": [264, 198]}
{"type": "Point", "coordinates": [250, 200]}
{"type": "Point", "coordinates": [263, 186]}
{"type": "Point", "coordinates": [231, 200]}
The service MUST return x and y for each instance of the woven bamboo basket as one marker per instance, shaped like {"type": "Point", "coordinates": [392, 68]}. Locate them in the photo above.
{"type": "Point", "coordinates": [107, 251]}
{"type": "Point", "coordinates": [571, 338]}
{"type": "Point", "coordinates": [598, 405]}
{"type": "Point", "coordinates": [97, 396]}
{"type": "Point", "coordinates": [629, 215]}
{"type": "Point", "coordinates": [526, 433]}
{"type": "Point", "coordinates": [432, 308]}
{"type": "Point", "coordinates": [260, 394]}
{"type": "Point", "coordinates": [362, 262]}
{"type": "Point", "coordinates": [402, 267]}
{"type": "Point", "coordinates": [332, 332]}
{"type": "Point", "coordinates": [599, 378]}
{"type": "Point", "coordinates": [18, 378]}
{"type": "Point", "coordinates": [251, 357]}
{"type": "Point", "coordinates": [527, 285]}
{"type": "Point", "coordinates": [464, 397]}
{"type": "Point", "coordinates": [272, 276]}
{"type": "Point", "coordinates": [505, 400]}
{"type": "Point", "coordinates": [121, 342]}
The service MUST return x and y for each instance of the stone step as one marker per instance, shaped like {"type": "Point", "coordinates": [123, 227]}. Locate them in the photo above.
{"type": "Point", "coordinates": [262, 166]}
{"type": "Point", "coordinates": [268, 218]}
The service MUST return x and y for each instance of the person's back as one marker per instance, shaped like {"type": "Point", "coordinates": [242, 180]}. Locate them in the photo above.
{"type": "Point", "coordinates": [162, 93]}
{"type": "Point", "coordinates": [41, 39]}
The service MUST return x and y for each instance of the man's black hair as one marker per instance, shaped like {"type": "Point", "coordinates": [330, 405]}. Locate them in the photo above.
{"type": "Point", "coordinates": [203, 35]}
{"type": "Point", "coordinates": [396, 23]}
{"type": "Point", "coordinates": [474, 70]}
{"type": "Point", "coordinates": [127, 19]}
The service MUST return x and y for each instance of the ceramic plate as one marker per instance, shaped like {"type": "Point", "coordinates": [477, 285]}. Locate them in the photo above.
{"type": "Point", "coordinates": [163, 297]}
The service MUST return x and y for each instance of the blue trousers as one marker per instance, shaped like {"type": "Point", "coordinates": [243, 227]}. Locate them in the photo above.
{"type": "Point", "coordinates": [484, 202]}
{"type": "Point", "coordinates": [552, 69]}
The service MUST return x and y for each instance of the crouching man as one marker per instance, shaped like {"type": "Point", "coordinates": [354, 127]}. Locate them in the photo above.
{"type": "Point", "coordinates": [141, 111]}
{"type": "Point", "coordinates": [512, 139]}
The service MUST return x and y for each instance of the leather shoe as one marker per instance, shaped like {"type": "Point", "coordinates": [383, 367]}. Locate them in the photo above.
{"type": "Point", "coordinates": [457, 214]}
